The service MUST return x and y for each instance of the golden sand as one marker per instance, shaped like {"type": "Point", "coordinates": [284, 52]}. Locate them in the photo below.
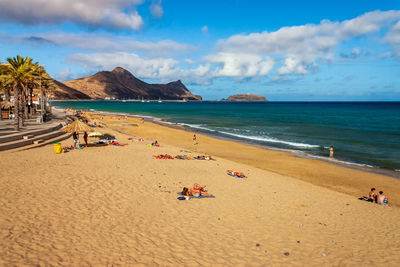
{"type": "Point", "coordinates": [117, 206]}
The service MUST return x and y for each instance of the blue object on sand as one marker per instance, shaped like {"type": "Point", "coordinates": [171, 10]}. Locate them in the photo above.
{"type": "Point", "coordinates": [190, 197]}
{"type": "Point", "coordinates": [236, 176]}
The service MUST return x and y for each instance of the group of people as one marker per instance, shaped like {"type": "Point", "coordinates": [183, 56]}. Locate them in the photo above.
{"type": "Point", "coordinates": [380, 199]}
{"type": "Point", "coordinates": [75, 137]}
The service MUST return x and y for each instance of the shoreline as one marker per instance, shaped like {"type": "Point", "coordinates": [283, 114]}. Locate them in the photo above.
{"type": "Point", "coordinates": [319, 172]}
{"type": "Point", "coordinates": [299, 153]}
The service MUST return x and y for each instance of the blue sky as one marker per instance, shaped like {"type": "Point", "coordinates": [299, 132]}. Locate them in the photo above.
{"type": "Point", "coordinates": [284, 50]}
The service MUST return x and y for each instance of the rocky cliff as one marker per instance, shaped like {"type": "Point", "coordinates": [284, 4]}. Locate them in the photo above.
{"type": "Point", "coordinates": [246, 97]}
{"type": "Point", "coordinates": [121, 84]}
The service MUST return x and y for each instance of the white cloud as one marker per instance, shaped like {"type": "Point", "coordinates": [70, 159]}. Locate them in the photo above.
{"type": "Point", "coordinates": [240, 65]}
{"type": "Point", "coordinates": [290, 50]}
{"type": "Point", "coordinates": [165, 69]}
{"type": "Point", "coordinates": [103, 43]}
{"type": "Point", "coordinates": [303, 46]}
{"type": "Point", "coordinates": [204, 29]}
{"type": "Point", "coordinates": [94, 13]}
{"type": "Point", "coordinates": [156, 9]}
{"type": "Point", "coordinates": [393, 38]}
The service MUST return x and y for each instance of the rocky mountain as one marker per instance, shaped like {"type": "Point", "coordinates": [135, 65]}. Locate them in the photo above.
{"type": "Point", "coordinates": [121, 84]}
{"type": "Point", "coordinates": [65, 92]}
{"type": "Point", "coordinates": [246, 97]}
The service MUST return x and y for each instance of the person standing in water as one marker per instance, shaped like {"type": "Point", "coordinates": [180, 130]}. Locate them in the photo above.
{"type": "Point", "coordinates": [331, 152]}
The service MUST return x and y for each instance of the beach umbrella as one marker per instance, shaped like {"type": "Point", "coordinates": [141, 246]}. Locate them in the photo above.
{"type": "Point", "coordinates": [77, 126]}
{"type": "Point", "coordinates": [107, 137]}
{"type": "Point", "coordinates": [6, 104]}
{"type": "Point", "coordinates": [95, 134]}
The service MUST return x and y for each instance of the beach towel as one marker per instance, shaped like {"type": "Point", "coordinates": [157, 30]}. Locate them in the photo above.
{"type": "Point", "coordinates": [166, 156]}
{"type": "Point", "coordinates": [236, 174]}
{"type": "Point", "coordinates": [205, 158]}
{"type": "Point", "coordinates": [364, 198]}
{"type": "Point", "coordinates": [190, 197]}
{"type": "Point", "coordinates": [184, 157]}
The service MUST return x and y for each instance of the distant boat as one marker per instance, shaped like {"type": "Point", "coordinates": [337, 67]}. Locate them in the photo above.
{"type": "Point", "coordinates": [142, 100]}
{"type": "Point", "coordinates": [123, 100]}
{"type": "Point", "coordinates": [159, 100]}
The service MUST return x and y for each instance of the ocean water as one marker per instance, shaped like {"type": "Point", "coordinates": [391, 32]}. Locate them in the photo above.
{"type": "Point", "coordinates": [366, 133]}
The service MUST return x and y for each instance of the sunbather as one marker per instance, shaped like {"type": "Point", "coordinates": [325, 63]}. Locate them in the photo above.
{"type": "Point", "coordinates": [197, 190]}
{"type": "Point", "coordinates": [382, 199]}
{"type": "Point", "coordinates": [372, 197]}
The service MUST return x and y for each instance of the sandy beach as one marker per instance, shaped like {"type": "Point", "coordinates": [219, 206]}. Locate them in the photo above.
{"type": "Point", "coordinates": [117, 206]}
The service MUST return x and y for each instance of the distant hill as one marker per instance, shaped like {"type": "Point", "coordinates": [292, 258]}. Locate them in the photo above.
{"type": "Point", "coordinates": [246, 97]}
{"type": "Point", "coordinates": [121, 84]}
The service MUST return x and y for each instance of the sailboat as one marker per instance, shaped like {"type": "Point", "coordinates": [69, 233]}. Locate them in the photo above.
{"type": "Point", "coordinates": [159, 100]}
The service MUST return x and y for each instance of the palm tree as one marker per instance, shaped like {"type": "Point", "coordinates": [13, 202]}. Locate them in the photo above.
{"type": "Point", "coordinates": [4, 84]}
{"type": "Point", "coordinates": [19, 74]}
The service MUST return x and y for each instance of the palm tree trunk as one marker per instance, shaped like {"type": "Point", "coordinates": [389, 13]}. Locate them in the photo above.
{"type": "Point", "coordinates": [25, 103]}
{"type": "Point", "coordinates": [16, 108]}
{"type": "Point", "coordinates": [21, 108]}
{"type": "Point", "coordinates": [7, 94]}
{"type": "Point", "coordinates": [31, 101]}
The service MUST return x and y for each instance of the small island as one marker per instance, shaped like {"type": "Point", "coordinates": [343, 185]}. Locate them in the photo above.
{"type": "Point", "coordinates": [246, 97]}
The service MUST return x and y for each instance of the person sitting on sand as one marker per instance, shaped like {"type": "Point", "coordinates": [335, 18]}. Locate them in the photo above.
{"type": "Point", "coordinates": [372, 195]}
{"type": "Point", "coordinates": [382, 199]}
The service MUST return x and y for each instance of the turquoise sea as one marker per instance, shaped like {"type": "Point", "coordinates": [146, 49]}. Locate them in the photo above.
{"type": "Point", "coordinates": [362, 133]}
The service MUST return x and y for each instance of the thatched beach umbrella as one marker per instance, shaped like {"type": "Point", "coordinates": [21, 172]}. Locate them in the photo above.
{"type": "Point", "coordinates": [6, 104]}
{"type": "Point", "coordinates": [77, 126]}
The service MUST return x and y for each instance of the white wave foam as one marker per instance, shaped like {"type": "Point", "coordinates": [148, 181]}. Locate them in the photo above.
{"type": "Point", "coordinates": [196, 126]}
{"type": "Point", "coordinates": [271, 140]}
{"type": "Point", "coordinates": [308, 155]}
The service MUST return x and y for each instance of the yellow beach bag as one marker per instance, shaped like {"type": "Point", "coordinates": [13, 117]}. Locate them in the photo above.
{"type": "Point", "coordinates": [57, 148]}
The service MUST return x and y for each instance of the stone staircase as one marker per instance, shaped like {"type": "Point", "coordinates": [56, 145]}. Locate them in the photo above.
{"type": "Point", "coordinates": [28, 139]}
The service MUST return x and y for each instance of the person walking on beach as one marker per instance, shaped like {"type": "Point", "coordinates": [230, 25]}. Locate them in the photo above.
{"type": "Point", "coordinates": [331, 152]}
{"type": "Point", "coordinates": [85, 137]}
{"type": "Point", "coordinates": [195, 139]}
{"type": "Point", "coordinates": [142, 119]}
{"type": "Point", "coordinates": [382, 199]}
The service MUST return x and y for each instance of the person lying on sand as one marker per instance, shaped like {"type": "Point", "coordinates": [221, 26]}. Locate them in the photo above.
{"type": "Point", "coordinates": [372, 195]}
{"type": "Point", "coordinates": [382, 199]}
{"type": "Point", "coordinates": [201, 157]}
{"type": "Point", "coordinates": [237, 174]}
{"type": "Point", "coordinates": [197, 190]}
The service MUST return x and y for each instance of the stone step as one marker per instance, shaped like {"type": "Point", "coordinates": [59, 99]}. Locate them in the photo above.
{"type": "Point", "coordinates": [25, 142]}
{"type": "Point", "coordinates": [57, 139]}
{"type": "Point", "coordinates": [36, 132]}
